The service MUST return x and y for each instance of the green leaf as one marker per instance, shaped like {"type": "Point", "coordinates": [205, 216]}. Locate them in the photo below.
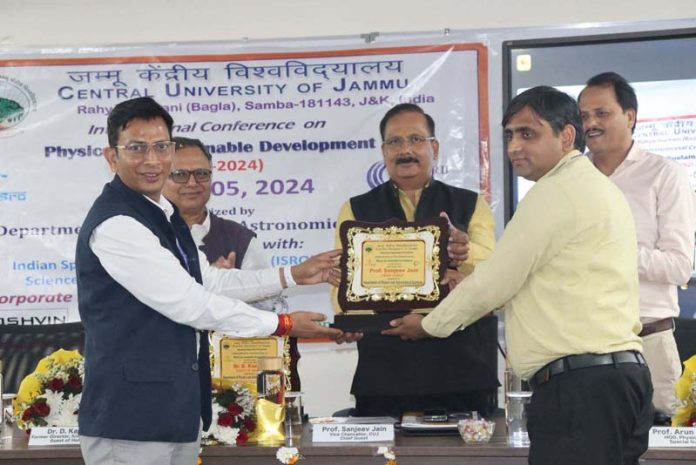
{"type": "Point", "coordinates": [9, 108]}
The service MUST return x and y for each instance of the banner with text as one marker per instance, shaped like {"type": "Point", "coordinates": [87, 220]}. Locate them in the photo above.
{"type": "Point", "coordinates": [293, 135]}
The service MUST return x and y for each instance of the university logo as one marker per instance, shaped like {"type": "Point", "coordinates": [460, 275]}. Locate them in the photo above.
{"type": "Point", "coordinates": [16, 102]}
{"type": "Point", "coordinates": [375, 175]}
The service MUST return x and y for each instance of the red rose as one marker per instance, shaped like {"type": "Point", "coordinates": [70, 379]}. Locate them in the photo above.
{"type": "Point", "coordinates": [692, 421]}
{"type": "Point", "coordinates": [42, 409]}
{"type": "Point", "coordinates": [27, 414]}
{"type": "Point", "coordinates": [235, 409]}
{"type": "Point", "coordinates": [225, 419]}
{"type": "Point", "coordinates": [242, 438]}
{"type": "Point", "coordinates": [75, 382]}
{"type": "Point", "coordinates": [56, 384]}
{"type": "Point", "coordinates": [249, 424]}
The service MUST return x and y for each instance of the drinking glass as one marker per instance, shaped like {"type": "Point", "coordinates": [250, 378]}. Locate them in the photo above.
{"type": "Point", "coordinates": [517, 398]}
{"type": "Point", "coordinates": [293, 414]}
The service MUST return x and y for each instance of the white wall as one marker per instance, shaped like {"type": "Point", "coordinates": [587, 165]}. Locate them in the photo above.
{"type": "Point", "coordinates": [326, 372]}
{"type": "Point", "coordinates": [97, 22]}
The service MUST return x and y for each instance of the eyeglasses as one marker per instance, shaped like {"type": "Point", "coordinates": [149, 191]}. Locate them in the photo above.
{"type": "Point", "coordinates": [414, 140]}
{"type": "Point", "coordinates": [183, 176]}
{"type": "Point", "coordinates": [138, 150]}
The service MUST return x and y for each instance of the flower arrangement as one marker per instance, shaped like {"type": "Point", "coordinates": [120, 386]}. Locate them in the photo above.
{"type": "Point", "coordinates": [288, 455]}
{"type": "Point", "coordinates": [685, 414]}
{"type": "Point", "coordinates": [291, 455]}
{"type": "Point", "coordinates": [233, 416]}
{"type": "Point", "coordinates": [388, 454]}
{"type": "Point", "coordinates": [50, 396]}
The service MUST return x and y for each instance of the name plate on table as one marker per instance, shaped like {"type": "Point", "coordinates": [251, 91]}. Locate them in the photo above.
{"type": "Point", "coordinates": [54, 436]}
{"type": "Point", "coordinates": [353, 432]}
{"type": "Point", "coordinates": [664, 436]}
{"type": "Point", "coordinates": [394, 266]}
{"type": "Point", "coordinates": [238, 358]}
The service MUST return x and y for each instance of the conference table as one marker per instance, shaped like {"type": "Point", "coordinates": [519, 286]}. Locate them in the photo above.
{"type": "Point", "coordinates": [409, 450]}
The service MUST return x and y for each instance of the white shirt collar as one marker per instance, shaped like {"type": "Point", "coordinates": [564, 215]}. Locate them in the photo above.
{"type": "Point", "coordinates": [164, 205]}
{"type": "Point", "coordinates": [199, 231]}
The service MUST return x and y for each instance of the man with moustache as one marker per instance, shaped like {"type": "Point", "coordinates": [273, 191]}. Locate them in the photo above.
{"type": "Point", "coordinates": [565, 271]}
{"type": "Point", "coordinates": [456, 373]}
{"type": "Point", "coordinates": [146, 299]}
{"type": "Point", "coordinates": [662, 202]}
{"type": "Point", "coordinates": [225, 243]}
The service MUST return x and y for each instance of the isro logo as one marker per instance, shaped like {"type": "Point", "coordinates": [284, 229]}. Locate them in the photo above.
{"type": "Point", "coordinates": [375, 174]}
{"type": "Point", "coordinates": [6, 196]}
{"type": "Point", "coordinates": [16, 102]}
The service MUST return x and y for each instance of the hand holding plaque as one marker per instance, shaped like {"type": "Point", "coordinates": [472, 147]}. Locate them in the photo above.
{"type": "Point", "coordinates": [389, 267]}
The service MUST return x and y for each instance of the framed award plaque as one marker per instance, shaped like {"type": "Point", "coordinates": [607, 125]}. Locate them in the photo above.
{"type": "Point", "coordinates": [395, 266]}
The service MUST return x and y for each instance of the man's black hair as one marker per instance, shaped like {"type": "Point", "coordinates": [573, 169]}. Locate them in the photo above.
{"type": "Point", "coordinates": [403, 108]}
{"type": "Point", "coordinates": [143, 108]}
{"type": "Point", "coordinates": [184, 142]}
{"type": "Point", "coordinates": [623, 91]}
{"type": "Point", "coordinates": [551, 105]}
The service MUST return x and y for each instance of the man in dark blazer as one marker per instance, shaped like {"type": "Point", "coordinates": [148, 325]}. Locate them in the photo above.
{"type": "Point", "coordinates": [457, 373]}
{"type": "Point", "coordinates": [146, 299]}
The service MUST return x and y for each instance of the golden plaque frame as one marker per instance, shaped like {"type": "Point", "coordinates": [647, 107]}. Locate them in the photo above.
{"type": "Point", "coordinates": [392, 266]}
{"type": "Point", "coordinates": [233, 359]}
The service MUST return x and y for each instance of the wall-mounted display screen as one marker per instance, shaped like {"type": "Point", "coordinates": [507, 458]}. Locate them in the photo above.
{"type": "Point", "coordinates": [661, 66]}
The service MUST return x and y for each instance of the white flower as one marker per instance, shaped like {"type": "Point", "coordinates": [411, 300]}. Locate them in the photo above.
{"type": "Point", "coordinates": [386, 452]}
{"type": "Point", "coordinates": [227, 435]}
{"type": "Point", "coordinates": [223, 434]}
{"type": "Point", "coordinates": [66, 416]}
{"type": "Point", "coordinates": [244, 399]}
{"type": "Point", "coordinates": [218, 409]}
{"type": "Point", "coordinates": [52, 397]}
{"type": "Point", "coordinates": [63, 411]}
{"type": "Point", "coordinates": [285, 454]}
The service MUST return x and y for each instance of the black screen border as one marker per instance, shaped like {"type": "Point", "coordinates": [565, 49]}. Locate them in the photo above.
{"type": "Point", "coordinates": [509, 46]}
